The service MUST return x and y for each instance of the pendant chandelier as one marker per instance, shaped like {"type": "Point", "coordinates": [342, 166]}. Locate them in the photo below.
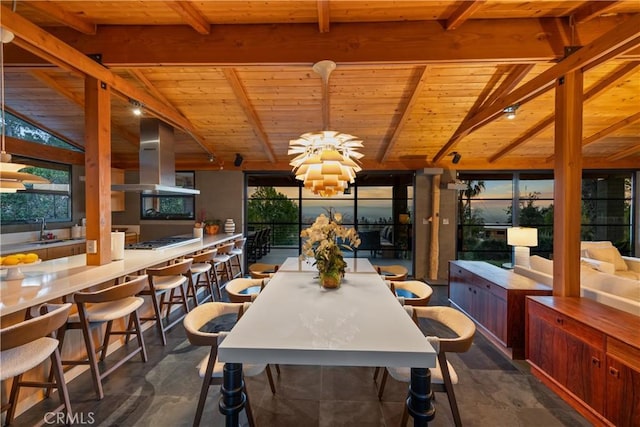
{"type": "Point", "coordinates": [11, 179]}
{"type": "Point", "coordinates": [326, 161]}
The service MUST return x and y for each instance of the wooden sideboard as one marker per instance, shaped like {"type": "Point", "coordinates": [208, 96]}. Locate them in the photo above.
{"type": "Point", "coordinates": [589, 354]}
{"type": "Point", "coordinates": [495, 299]}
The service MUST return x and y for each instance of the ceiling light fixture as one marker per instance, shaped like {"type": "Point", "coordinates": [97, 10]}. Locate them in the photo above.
{"type": "Point", "coordinates": [11, 179]}
{"type": "Point", "coordinates": [510, 111]}
{"type": "Point", "coordinates": [326, 161]}
{"type": "Point", "coordinates": [136, 107]}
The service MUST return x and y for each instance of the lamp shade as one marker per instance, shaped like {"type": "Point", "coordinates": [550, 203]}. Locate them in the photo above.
{"type": "Point", "coordinates": [522, 236]}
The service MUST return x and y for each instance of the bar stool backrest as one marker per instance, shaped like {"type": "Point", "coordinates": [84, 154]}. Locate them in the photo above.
{"type": "Point", "coordinates": [205, 256]}
{"type": "Point", "coordinates": [35, 328]}
{"type": "Point", "coordinates": [181, 267]}
{"type": "Point", "coordinates": [130, 288]}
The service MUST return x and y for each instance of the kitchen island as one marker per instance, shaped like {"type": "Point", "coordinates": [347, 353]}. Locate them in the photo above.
{"type": "Point", "coordinates": [50, 280]}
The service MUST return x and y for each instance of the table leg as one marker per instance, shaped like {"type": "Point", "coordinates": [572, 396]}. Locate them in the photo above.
{"type": "Point", "coordinates": [419, 402]}
{"type": "Point", "coordinates": [233, 397]}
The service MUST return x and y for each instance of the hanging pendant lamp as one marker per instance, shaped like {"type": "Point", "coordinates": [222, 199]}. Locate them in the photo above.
{"type": "Point", "coordinates": [326, 161]}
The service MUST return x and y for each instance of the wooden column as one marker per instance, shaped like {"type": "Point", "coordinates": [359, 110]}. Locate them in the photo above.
{"type": "Point", "coordinates": [434, 241]}
{"type": "Point", "coordinates": [98, 170]}
{"type": "Point", "coordinates": [568, 185]}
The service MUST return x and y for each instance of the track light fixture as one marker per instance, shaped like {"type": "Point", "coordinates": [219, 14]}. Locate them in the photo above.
{"type": "Point", "coordinates": [211, 158]}
{"type": "Point", "coordinates": [136, 107]}
{"type": "Point", "coordinates": [510, 111]}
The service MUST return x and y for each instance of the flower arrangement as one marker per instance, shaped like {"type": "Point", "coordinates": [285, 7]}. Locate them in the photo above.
{"type": "Point", "coordinates": [322, 244]}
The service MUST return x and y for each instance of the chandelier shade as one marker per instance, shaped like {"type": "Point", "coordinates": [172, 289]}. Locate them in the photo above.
{"type": "Point", "coordinates": [325, 161]}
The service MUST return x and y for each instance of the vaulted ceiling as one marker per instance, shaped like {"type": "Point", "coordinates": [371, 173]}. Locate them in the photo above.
{"type": "Point", "coordinates": [415, 80]}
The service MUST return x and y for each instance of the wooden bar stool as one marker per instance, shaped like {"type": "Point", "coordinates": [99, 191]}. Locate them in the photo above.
{"type": "Point", "coordinates": [236, 257]}
{"type": "Point", "coordinates": [163, 280]}
{"type": "Point", "coordinates": [201, 274]}
{"type": "Point", "coordinates": [105, 306]}
{"type": "Point", "coordinates": [26, 345]}
{"type": "Point", "coordinates": [222, 265]}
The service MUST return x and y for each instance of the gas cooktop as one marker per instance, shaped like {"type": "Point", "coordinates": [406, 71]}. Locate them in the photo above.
{"type": "Point", "coordinates": [162, 243]}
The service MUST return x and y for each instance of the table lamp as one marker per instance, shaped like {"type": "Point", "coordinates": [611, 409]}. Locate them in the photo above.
{"type": "Point", "coordinates": [522, 238]}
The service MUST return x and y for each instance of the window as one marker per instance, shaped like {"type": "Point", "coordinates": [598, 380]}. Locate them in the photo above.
{"type": "Point", "coordinates": [51, 201]}
{"type": "Point", "coordinates": [18, 128]}
{"type": "Point", "coordinates": [171, 207]}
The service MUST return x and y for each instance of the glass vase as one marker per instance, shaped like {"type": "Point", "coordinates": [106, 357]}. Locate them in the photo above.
{"type": "Point", "coordinates": [330, 281]}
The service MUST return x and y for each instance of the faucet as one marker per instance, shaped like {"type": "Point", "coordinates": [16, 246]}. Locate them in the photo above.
{"type": "Point", "coordinates": [43, 226]}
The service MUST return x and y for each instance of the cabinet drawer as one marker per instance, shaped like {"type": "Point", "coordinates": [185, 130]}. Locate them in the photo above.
{"type": "Point", "coordinates": [624, 352]}
{"type": "Point", "coordinates": [494, 289]}
{"type": "Point", "coordinates": [569, 325]}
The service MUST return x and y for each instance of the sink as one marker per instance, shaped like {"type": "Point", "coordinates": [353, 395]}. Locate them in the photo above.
{"type": "Point", "coordinates": [48, 241]}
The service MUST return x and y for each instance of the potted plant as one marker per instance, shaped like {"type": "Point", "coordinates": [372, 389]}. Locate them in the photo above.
{"type": "Point", "coordinates": [212, 226]}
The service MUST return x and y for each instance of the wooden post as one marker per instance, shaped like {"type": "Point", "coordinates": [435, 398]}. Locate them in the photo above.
{"type": "Point", "coordinates": [568, 185]}
{"type": "Point", "coordinates": [434, 241]}
{"type": "Point", "coordinates": [98, 170]}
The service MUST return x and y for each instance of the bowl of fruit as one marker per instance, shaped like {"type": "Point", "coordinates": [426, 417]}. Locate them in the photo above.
{"type": "Point", "coordinates": [13, 263]}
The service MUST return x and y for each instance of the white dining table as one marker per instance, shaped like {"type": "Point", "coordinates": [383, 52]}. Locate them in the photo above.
{"type": "Point", "coordinates": [354, 265]}
{"type": "Point", "coordinates": [296, 321]}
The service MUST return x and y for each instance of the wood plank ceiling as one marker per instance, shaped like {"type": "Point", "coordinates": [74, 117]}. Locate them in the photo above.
{"type": "Point", "coordinates": [411, 76]}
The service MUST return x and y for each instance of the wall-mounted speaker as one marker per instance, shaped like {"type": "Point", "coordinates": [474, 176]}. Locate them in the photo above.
{"type": "Point", "coordinates": [238, 160]}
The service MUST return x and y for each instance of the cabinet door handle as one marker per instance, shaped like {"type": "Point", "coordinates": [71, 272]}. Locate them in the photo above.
{"type": "Point", "coordinates": [559, 320]}
{"type": "Point", "coordinates": [595, 361]}
{"type": "Point", "coordinates": [614, 372]}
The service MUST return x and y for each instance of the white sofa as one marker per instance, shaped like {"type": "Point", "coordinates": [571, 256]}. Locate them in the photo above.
{"type": "Point", "coordinates": [603, 256]}
{"type": "Point", "coordinates": [616, 291]}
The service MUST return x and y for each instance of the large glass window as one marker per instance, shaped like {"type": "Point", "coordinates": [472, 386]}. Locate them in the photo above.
{"type": "Point", "coordinates": [171, 207]}
{"type": "Point", "coordinates": [51, 201]}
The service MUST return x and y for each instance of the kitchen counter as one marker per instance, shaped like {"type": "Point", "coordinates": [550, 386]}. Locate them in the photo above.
{"type": "Point", "coordinates": [56, 278]}
{"type": "Point", "coordinates": [14, 248]}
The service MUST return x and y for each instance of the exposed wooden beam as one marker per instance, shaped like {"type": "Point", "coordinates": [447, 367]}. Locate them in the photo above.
{"type": "Point", "coordinates": [567, 193]}
{"type": "Point", "coordinates": [324, 18]}
{"type": "Point", "coordinates": [191, 15]}
{"type": "Point", "coordinates": [21, 147]}
{"type": "Point", "coordinates": [544, 81]}
{"type": "Point", "coordinates": [530, 133]}
{"type": "Point", "coordinates": [611, 129]}
{"type": "Point", "coordinates": [45, 78]}
{"type": "Point", "coordinates": [616, 75]}
{"type": "Point", "coordinates": [36, 36]}
{"type": "Point", "coordinates": [634, 149]}
{"type": "Point", "coordinates": [514, 78]}
{"type": "Point", "coordinates": [590, 10]}
{"type": "Point", "coordinates": [51, 59]}
{"type": "Point", "coordinates": [249, 111]}
{"type": "Point", "coordinates": [404, 116]}
{"type": "Point", "coordinates": [462, 13]}
{"type": "Point", "coordinates": [63, 16]}
{"type": "Point", "coordinates": [349, 43]}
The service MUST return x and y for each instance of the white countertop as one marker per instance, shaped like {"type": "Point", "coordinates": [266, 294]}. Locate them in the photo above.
{"type": "Point", "coordinates": [354, 265]}
{"type": "Point", "coordinates": [295, 321]}
{"type": "Point", "coordinates": [55, 278]}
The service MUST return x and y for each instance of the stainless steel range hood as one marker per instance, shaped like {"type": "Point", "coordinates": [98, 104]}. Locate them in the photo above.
{"type": "Point", "coordinates": [157, 161]}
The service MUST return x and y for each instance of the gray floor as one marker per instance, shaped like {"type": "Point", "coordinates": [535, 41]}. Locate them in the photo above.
{"type": "Point", "coordinates": [493, 391]}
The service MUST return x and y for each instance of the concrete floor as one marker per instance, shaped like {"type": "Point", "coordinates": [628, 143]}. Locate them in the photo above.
{"type": "Point", "coordinates": [493, 391]}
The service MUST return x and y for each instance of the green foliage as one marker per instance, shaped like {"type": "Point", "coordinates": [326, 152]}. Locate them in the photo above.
{"type": "Point", "coordinates": [269, 207]}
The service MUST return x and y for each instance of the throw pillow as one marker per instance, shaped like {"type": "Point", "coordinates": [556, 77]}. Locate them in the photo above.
{"type": "Point", "coordinates": [609, 254]}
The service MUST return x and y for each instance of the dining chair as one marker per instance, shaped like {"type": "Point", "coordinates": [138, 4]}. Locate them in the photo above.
{"type": "Point", "coordinates": [392, 272]}
{"type": "Point", "coordinates": [260, 270]}
{"type": "Point", "coordinates": [443, 376]}
{"type": "Point", "coordinates": [244, 290]}
{"type": "Point", "coordinates": [411, 292]}
{"type": "Point", "coordinates": [201, 274]}
{"type": "Point", "coordinates": [27, 344]}
{"type": "Point", "coordinates": [162, 280]}
{"type": "Point", "coordinates": [210, 369]}
{"type": "Point", "coordinates": [104, 306]}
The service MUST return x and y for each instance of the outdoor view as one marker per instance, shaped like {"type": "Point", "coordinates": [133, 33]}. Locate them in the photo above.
{"type": "Point", "coordinates": [486, 210]}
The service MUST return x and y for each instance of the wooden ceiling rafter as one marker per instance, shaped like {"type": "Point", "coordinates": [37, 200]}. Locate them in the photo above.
{"type": "Point", "coordinates": [191, 16]}
{"type": "Point", "coordinates": [49, 44]}
{"type": "Point", "coordinates": [590, 10]}
{"type": "Point", "coordinates": [250, 112]}
{"type": "Point", "coordinates": [34, 49]}
{"type": "Point", "coordinates": [489, 95]}
{"type": "Point", "coordinates": [611, 129]}
{"type": "Point", "coordinates": [588, 54]}
{"type": "Point", "coordinates": [48, 80]}
{"type": "Point", "coordinates": [35, 150]}
{"type": "Point", "coordinates": [464, 11]}
{"type": "Point", "coordinates": [406, 112]}
{"type": "Point", "coordinates": [634, 149]}
{"type": "Point", "coordinates": [598, 88]}
{"type": "Point", "coordinates": [324, 17]}
{"type": "Point", "coordinates": [63, 16]}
